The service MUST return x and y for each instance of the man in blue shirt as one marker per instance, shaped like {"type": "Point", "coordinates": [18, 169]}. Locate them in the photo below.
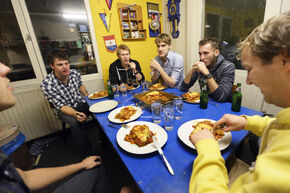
{"type": "Point", "coordinates": [63, 88]}
{"type": "Point", "coordinates": [218, 73]}
{"type": "Point", "coordinates": [168, 65]}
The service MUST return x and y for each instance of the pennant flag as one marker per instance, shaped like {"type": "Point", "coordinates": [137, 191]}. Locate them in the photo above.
{"type": "Point", "coordinates": [110, 43]}
{"type": "Point", "coordinates": [104, 19]}
{"type": "Point", "coordinates": [109, 3]}
{"type": "Point", "coordinates": [108, 18]}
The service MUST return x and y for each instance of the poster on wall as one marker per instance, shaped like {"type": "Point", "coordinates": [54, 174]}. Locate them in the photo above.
{"type": "Point", "coordinates": [109, 3]}
{"type": "Point", "coordinates": [110, 43]}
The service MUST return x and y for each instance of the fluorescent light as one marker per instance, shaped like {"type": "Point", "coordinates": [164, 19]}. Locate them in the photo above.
{"type": "Point", "coordinates": [73, 16]}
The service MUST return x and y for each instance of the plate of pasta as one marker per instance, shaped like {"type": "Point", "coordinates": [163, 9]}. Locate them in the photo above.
{"type": "Point", "coordinates": [136, 137]}
{"type": "Point", "coordinates": [191, 97]}
{"type": "Point", "coordinates": [125, 114]}
{"type": "Point", "coordinates": [98, 95]}
{"type": "Point", "coordinates": [189, 128]}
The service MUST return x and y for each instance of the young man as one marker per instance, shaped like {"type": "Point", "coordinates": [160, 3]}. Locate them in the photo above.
{"type": "Point", "coordinates": [265, 54]}
{"type": "Point", "coordinates": [63, 88]}
{"type": "Point", "coordinates": [218, 73]}
{"type": "Point", "coordinates": [168, 65]}
{"type": "Point", "coordinates": [125, 68]}
{"type": "Point", "coordinates": [93, 178]}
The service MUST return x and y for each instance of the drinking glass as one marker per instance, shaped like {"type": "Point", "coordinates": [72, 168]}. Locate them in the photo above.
{"type": "Point", "coordinates": [123, 89]}
{"type": "Point", "coordinates": [116, 90]}
{"type": "Point", "coordinates": [143, 83]}
{"type": "Point", "coordinates": [178, 108]}
{"type": "Point", "coordinates": [168, 117]}
{"type": "Point", "coordinates": [156, 108]}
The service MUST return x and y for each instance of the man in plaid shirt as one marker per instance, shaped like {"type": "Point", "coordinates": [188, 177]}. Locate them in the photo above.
{"type": "Point", "coordinates": [63, 88]}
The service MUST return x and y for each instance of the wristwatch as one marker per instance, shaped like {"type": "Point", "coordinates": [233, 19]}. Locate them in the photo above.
{"type": "Point", "coordinates": [208, 76]}
{"type": "Point", "coordinates": [136, 73]}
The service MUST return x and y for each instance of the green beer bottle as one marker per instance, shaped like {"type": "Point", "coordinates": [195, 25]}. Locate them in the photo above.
{"type": "Point", "coordinates": [237, 99]}
{"type": "Point", "coordinates": [110, 90]}
{"type": "Point", "coordinates": [203, 97]}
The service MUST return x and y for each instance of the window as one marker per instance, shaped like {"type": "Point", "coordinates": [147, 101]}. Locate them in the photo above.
{"type": "Point", "coordinates": [63, 25]}
{"type": "Point", "coordinates": [232, 21]}
{"type": "Point", "coordinates": [13, 51]}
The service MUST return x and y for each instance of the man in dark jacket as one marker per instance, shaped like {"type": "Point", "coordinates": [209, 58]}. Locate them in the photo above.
{"type": "Point", "coordinates": [218, 73]}
{"type": "Point", "coordinates": [124, 68]}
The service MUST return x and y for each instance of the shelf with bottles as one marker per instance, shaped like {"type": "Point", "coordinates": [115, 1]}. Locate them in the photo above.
{"type": "Point", "coordinates": [131, 22]}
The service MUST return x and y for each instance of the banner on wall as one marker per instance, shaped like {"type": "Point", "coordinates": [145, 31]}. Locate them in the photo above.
{"type": "Point", "coordinates": [106, 18]}
{"type": "Point", "coordinates": [109, 3]}
{"type": "Point", "coordinates": [110, 43]}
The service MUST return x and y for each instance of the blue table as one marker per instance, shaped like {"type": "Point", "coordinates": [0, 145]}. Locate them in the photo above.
{"type": "Point", "coordinates": [149, 171]}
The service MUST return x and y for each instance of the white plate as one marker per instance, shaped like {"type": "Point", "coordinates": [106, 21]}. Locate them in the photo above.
{"type": "Point", "coordinates": [134, 87]}
{"type": "Point", "coordinates": [103, 106]}
{"type": "Point", "coordinates": [185, 130]}
{"type": "Point", "coordinates": [112, 115]}
{"type": "Point", "coordinates": [97, 97]}
{"type": "Point", "coordinates": [161, 136]}
{"type": "Point", "coordinates": [195, 102]}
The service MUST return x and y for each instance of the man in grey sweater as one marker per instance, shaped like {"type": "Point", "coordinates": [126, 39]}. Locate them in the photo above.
{"type": "Point", "coordinates": [218, 73]}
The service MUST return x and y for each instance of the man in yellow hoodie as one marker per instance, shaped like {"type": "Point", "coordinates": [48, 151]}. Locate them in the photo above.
{"type": "Point", "coordinates": [265, 54]}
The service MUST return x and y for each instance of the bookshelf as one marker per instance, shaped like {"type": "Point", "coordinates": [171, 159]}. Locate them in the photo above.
{"type": "Point", "coordinates": [131, 22]}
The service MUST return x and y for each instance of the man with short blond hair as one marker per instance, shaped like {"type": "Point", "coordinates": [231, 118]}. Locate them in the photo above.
{"type": "Point", "coordinates": [168, 65]}
{"type": "Point", "coordinates": [124, 68]}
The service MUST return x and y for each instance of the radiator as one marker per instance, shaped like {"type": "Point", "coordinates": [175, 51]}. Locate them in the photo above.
{"type": "Point", "coordinates": [32, 112]}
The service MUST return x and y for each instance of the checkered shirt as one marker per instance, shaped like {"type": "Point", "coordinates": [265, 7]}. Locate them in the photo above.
{"type": "Point", "coordinates": [59, 94]}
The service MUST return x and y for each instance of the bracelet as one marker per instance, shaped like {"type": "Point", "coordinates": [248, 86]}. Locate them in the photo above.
{"type": "Point", "coordinates": [136, 73]}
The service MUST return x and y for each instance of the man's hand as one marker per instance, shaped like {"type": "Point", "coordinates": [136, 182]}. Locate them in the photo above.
{"type": "Point", "coordinates": [200, 135]}
{"type": "Point", "coordinates": [154, 65]}
{"type": "Point", "coordinates": [91, 162]}
{"type": "Point", "coordinates": [201, 67]}
{"type": "Point", "coordinates": [132, 66]}
{"type": "Point", "coordinates": [81, 117]}
{"type": "Point", "coordinates": [232, 122]}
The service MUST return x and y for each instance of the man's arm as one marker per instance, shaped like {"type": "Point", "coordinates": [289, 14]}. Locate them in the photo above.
{"type": "Point", "coordinates": [83, 90]}
{"type": "Point", "coordinates": [113, 74]}
{"type": "Point", "coordinates": [42, 177]}
{"type": "Point", "coordinates": [156, 66]}
{"type": "Point", "coordinates": [225, 84]}
{"type": "Point", "coordinates": [80, 116]}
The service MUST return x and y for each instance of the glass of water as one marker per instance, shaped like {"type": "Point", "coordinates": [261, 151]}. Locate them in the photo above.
{"type": "Point", "coordinates": [123, 89]}
{"type": "Point", "coordinates": [156, 109]}
{"type": "Point", "coordinates": [178, 108]}
{"type": "Point", "coordinates": [168, 117]}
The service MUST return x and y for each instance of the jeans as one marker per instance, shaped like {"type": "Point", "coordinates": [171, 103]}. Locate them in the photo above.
{"type": "Point", "coordinates": [87, 181]}
{"type": "Point", "coordinates": [78, 129]}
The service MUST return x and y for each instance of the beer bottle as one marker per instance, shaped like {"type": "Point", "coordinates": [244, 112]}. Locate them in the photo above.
{"type": "Point", "coordinates": [203, 97]}
{"type": "Point", "coordinates": [110, 90]}
{"type": "Point", "coordinates": [237, 99]}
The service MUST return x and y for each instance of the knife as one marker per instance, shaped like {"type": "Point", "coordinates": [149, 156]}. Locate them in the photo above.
{"type": "Point", "coordinates": [161, 153]}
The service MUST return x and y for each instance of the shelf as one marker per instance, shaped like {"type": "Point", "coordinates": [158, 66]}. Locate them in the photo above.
{"type": "Point", "coordinates": [131, 23]}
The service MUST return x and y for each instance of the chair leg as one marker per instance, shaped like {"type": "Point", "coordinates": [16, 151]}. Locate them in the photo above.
{"type": "Point", "coordinates": [64, 132]}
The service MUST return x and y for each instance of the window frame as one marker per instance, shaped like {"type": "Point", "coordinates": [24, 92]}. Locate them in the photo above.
{"type": "Point", "coordinates": [34, 53]}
